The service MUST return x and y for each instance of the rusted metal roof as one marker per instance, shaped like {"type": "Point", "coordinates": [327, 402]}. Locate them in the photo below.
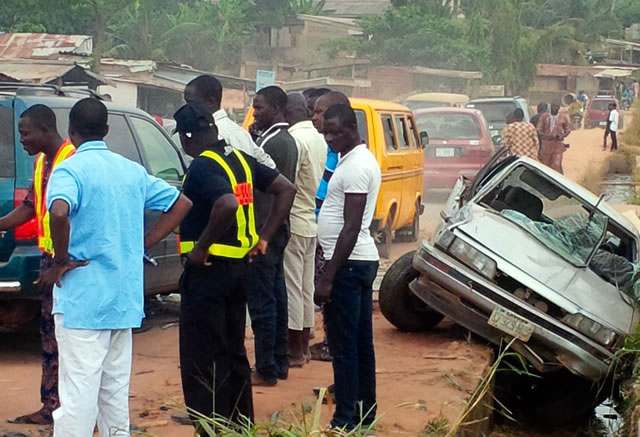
{"type": "Point", "coordinates": [44, 45]}
{"type": "Point", "coordinates": [26, 70]}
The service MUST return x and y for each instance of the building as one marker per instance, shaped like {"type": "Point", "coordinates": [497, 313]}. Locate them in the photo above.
{"type": "Point", "coordinates": [44, 46]}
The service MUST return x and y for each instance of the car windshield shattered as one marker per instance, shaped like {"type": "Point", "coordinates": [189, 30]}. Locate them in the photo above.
{"type": "Point", "coordinates": [553, 216]}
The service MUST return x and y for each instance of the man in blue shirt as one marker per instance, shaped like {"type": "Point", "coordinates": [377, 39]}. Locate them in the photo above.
{"type": "Point", "coordinates": [96, 202]}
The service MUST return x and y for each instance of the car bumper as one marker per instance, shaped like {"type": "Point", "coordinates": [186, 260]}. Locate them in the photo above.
{"type": "Point", "coordinates": [468, 299]}
{"type": "Point", "coordinates": [18, 274]}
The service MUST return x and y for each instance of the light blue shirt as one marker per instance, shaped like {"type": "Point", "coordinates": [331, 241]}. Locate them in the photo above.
{"type": "Point", "coordinates": [107, 195]}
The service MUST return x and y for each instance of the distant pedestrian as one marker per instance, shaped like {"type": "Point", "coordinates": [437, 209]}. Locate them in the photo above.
{"type": "Point", "coordinates": [541, 108]}
{"type": "Point", "coordinates": [96, 200]}
{"type": "Point", "coordinates": [267, 293]}
{"type": "Point", "coordinates": [636, 90]}
{"type": "Point", "coordinates": [207, 90]}
{"type": "Point", "coordinates": [613, 120]}
{"type": "Point", "coordinates": [553, 128]}
{"type": "Point", "coordinates": [299, 255]}
{"type": "Point", "coordinates": [40, 138]}
{"type": "Point", "coordinates": [217, 240]}
{"type": "Point", "coordinates": [345, 287]}
{"type": "Point", "coordinates": [520, 137]}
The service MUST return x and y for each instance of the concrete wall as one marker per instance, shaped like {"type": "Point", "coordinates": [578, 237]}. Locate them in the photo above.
{"type": "Point", "coordinates": [124, 94]}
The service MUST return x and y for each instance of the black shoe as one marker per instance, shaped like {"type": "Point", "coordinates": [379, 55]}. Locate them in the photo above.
{"type": "Point", "coordinates": [283, 375]}
{"type": "Point", "coordinates": [320, 352]}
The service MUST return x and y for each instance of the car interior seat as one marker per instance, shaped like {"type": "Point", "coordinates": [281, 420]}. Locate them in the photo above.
{"type": "Point", "coordinates": [519, 199]}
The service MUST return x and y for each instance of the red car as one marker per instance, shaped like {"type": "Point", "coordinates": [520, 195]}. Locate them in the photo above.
{"type": "Point", "coordinates": [598, 111]}
{"type": "Point", "coordinates": [459, 144]}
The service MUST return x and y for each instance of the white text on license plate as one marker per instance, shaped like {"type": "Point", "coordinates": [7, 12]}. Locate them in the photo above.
{"type": "Point", "coordinates": [603, 123]}
{"type": "Point", "coordinates": [445, 152]}
{"type": "Point", "coordinates": [511, 323]}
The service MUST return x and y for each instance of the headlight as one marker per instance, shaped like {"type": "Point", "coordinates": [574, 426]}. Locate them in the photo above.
{"type": "Point", "coordinates": [477, 260]}
{"type": "Point", "coordinates": [445, 239]}
{"type": "Point", "coordinates": [591, 329]}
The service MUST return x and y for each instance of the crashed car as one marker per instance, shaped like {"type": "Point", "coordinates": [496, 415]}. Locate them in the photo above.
{"type": "Point", "coordinates": [525, 255]}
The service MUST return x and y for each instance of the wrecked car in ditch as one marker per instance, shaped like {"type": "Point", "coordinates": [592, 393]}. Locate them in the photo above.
{"type": "Point", "coordinates": [524, 254]}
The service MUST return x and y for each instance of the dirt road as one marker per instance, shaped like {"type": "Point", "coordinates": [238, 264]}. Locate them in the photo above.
{"type": "Point", "coordinates": [430, 374]}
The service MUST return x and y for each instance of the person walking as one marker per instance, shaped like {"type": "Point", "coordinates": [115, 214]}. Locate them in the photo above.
{"type": "Point", "coordinates": [96, 201]}
{"type": "Point", "coordinates": [613, 119]}
{"type": "Point", "coordinates": [267, 293]}
{"type": "Point", "coordinates": [553, 128]}
{"type": "Point", "coordinates": [520, 137]}
{"type": "Point", "coordinates": [218, 238]}
{"type": "Point", "coordinates": [299, 254]}
{"type": "Point", "coordinates": [207, 90]}
{"type": "Point", "coordinates": [40, 138]}
{"type": "Point", "coordinates": [345, 287]}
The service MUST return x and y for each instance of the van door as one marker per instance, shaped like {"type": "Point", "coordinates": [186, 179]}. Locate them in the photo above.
{"type": "Point", "coordinates": [392, 167]}
{"type": "Point", "coordinates": [7, 172]}
{"type": "Point", "coordinates": [161, 159]}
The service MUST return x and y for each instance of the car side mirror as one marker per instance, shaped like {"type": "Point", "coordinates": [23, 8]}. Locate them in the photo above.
{"type": "Point", "coordinates": [424, 138]}
{"type": "Point", "coordinates": [497, 139]}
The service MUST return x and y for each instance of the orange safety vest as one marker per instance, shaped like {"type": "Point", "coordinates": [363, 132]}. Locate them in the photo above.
{"type": "Point", "coordinates": [45, 243]}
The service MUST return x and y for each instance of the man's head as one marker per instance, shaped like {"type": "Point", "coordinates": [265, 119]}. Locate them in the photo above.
{"type": "Point", "coordinates": [323, 103]}
{"type": "Point", "coordinates": [88, 121]}
{"type": "Point", "coordinates": [542, 107]}
{"type": "Point", "coordinates": [612, 106]}
{"type": "Point", "coordinates": [269, 106]}
{"type": "Point", "coordinates": [205, 90]}
{"type": "Point", "coordinates": [196, 127]}
{"type": "Point", "coordinates": [518, 114]}
{"type": "Point", "coordinates": [312, 95]}
{"type": "Point", "coordinates": [340, 128]}
{"type": "Point", "coordinates": [37, 127]}
{"type": "Point", "coordinates": [555, 108]}
{"type": "Point", "coordinates": [510, 118]}
{"type": "Point", "coordinates": [296, 109]}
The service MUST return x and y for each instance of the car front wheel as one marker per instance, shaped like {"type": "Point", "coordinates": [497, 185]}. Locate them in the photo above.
{"type": "Point", "coordinates": [398, 304]}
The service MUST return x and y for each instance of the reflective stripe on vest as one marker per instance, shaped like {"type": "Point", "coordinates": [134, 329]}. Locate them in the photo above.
{"type": "Point", "coordinates": [45, 243]}
{"type": "Point", "coordinates": [247, 235]}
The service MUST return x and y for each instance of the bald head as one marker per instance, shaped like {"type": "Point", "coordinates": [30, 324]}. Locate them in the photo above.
{"type": "Point", "coordinates": [324, 102]}
{"type": "Point", "coordinates": [296, 110]}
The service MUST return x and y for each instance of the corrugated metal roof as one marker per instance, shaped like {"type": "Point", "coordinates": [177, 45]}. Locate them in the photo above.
{"type": "Point", "coordinates": [559, 70]}
{"type": "Point", "coordinates": [355, 8]}
{"type": "Point", "coordinates": [43, 45]}
{"type": "Point", "coordinates": [44, 71]}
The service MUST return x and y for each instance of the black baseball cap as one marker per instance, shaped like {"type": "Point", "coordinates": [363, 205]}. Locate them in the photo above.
{"type": "Point", "coordinates": [192, 118]}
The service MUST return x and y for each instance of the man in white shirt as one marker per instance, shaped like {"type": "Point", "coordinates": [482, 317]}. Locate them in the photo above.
{"type": "Point", "coordinates": [612, 127]}
{"type": "Point", "coordinates": [299, 263]}
{"type": "Point", "coordinates": [207, 90]}
{"type": "Point", "coordinates": [345, 287]}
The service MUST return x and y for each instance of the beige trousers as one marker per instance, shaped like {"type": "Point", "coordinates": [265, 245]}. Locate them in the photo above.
{"type": "Point", "coordinates": [299, 267]}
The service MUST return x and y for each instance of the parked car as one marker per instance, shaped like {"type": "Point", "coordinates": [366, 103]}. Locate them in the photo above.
{"type": "Point", "coordinates": [598, 111]}
{"type": "Point", "coordinates": [525, 255]}
{"type": "Point", "coordinates": [436, 100]}
{"type": "Point", "coordinates": [133, 134]}
{"type": "Point", "coordinates": [459, 144]}
{"type": "Point", "coordinates": [496, 109]}
{"type": "Point", "coordinates": [390, 130]}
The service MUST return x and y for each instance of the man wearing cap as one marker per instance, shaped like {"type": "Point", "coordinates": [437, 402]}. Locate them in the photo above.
{"type": "Point", "coordinates": [217, 239]}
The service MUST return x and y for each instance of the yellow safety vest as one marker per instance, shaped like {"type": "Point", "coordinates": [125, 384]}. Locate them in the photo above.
{"type": "Point", "coordinates": [247, 236]}
{"type": "Point", "coordinates": [45, 243]}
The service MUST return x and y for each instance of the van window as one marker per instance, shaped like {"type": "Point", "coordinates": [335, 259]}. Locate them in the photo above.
{"type": "Point", "coordinates": [119, 139]}
{"type": "Point", "coordinates": [7, 148]}
{"type": "Point", "coordinates": [389, 135]}
{"type": "Point", "coordinates": [160, 154]}
{"type": "Point", "coordinates": [403, 132]}
{"type": "Point", "coordinates": [361, 118]}
{"type": "Point", "coordinates": [414, 132]}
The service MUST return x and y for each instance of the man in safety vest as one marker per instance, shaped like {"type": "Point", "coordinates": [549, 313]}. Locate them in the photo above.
{"type": "Point", "coordinates": [39, 136]}
{"type": "Point", "coordinates": [217, 239]}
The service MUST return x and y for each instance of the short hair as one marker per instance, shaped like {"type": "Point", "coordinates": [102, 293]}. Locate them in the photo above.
{"type": "Point", "coordinates": [542, 106]}
{"type": "Point", "coordinates": [318, 92]}
{"type": "Point", "coordinates": [41, 116]}
{"type": "Point", "coordinates": [207, 86]}
{"type": "Point", "coordinates": [613, 104]}
{"type": "Point", "coordinates": [89, 118]}
{"type": "Point", "coordinates": [274, 96]}
{"type": "Point", "coordinates": [518, 114]}
{"type": "Point", "coordinates": [344, 113]}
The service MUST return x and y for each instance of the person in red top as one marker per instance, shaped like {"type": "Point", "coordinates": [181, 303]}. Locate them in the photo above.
{"type": "Point", "coordinates": [39, 136]}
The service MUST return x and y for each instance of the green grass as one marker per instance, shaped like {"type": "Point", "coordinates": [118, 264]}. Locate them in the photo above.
{"type": "Point", "coordinates": [438, 427]}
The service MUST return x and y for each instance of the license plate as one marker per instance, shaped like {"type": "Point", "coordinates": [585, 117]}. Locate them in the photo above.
{"type": "Point", "coordinates": [445, 152]}
{"type": "Point", "coordinates": [603, 123]}
{"type": "Point", "coordinates": [511, 323]}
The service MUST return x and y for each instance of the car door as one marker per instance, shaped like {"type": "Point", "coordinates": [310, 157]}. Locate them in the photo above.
{"type": "Point", "coordinates": [392, 166]}
{"type": "Point", "coordinates": [7, 172]}
{"type": "Point", "coordinates": [161, 159]}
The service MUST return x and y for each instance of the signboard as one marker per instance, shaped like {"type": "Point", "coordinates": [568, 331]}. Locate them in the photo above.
{"type": "Point", "coordinates": [264, 78]}
{"type": "Point", "coordinates": [491, 90]}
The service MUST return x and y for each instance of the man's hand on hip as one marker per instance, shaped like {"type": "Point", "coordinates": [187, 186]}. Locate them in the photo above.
{"type": "Point", "coordinates": [52, 276]}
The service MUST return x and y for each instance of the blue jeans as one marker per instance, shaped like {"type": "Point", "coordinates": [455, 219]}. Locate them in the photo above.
{"type": "Point", "coordinates": [350, 329]}
{"type": "Point", "coordinates": [267, 304]}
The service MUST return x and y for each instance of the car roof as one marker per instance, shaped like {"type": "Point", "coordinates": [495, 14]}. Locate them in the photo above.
{"type": "Point", "coordinates": [448, 110]}
{"type": "Point", "coordinates": [495, 99]}
{"type": "Point", "coordinates": [68, 102]}
{"type": "Point", "coordinates": [378, 104]}
{"type": "Point", "coordinates": [438, 97]}
{"type": "Point", "coordinates": [581, 192]}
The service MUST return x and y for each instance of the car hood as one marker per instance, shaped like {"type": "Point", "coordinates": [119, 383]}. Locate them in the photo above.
{"type": "Point", "coordinates": [528, 261]}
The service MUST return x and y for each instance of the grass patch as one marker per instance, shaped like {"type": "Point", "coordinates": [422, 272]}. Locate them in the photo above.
{"type": "Point", "coordinates": [438, 427]}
